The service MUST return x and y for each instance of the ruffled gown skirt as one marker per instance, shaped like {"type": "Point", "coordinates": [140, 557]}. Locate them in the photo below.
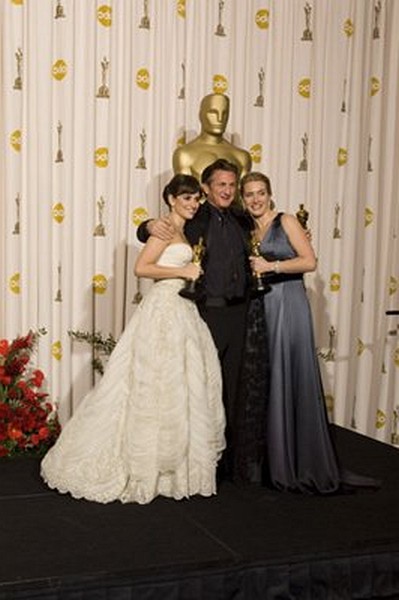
{"type": "Point", "coordinates": [154, 424]}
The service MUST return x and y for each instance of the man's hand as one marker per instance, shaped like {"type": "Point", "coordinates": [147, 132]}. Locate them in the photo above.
{"type": "Point", "coordinates": [161, 228]}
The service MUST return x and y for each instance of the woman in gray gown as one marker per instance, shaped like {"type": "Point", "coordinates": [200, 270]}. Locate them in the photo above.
{"type": "Point", "coordinates": [283, 433]}
{"type": "Point", "coordinates": [291, 442]}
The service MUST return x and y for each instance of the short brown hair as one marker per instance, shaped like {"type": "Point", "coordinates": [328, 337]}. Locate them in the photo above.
{"type": "Point", "coordinates": [220, 164]}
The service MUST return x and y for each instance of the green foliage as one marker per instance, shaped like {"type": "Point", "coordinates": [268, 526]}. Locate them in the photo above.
{"type": "Point", "coordinates": [101, 346]}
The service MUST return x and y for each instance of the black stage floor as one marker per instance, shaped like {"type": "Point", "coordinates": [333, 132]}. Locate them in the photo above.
{"type": "Point", "coordinates": [242, 544]}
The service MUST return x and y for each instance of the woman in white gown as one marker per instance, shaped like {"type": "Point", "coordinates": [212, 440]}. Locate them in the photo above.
{"type": "Point", "coordinates": [154, 424]}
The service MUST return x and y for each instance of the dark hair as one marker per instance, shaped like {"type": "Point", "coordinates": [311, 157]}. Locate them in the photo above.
{"type": "Point", "coordinates": [219, 165]}
{"type": "Point", "coordinates": [256, 176]}
{"type": "Point", "coordinates": [181, 184]}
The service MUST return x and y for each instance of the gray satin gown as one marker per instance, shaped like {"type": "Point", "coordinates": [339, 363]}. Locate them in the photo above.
{"type": "Point", "coordinates": [299, 452]}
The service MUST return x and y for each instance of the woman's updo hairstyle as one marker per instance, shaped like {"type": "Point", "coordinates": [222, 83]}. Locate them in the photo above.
{"type": "Point", "coordinates": [181, 184]}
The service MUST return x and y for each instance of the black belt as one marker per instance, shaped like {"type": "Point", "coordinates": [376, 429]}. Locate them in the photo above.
{"type": "Point", "coordinates": [278, 277]}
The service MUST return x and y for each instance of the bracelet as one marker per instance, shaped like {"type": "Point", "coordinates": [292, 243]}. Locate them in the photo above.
{"type": "Point", "coordinates": [276, 267]}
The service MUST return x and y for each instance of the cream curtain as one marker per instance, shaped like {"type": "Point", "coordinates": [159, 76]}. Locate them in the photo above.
{"type": "Point", "coordinates": [95, 96]}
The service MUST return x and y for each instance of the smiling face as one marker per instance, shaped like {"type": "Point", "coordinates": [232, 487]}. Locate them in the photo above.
{"type": "Point", "coordinates": [185, 205]}
{"type": "Point", "coordinates": [221, 188]}
{"type": "Point", "coordinates": [256, 198]}
{"type": "Point", "coordinates": [256, 193]}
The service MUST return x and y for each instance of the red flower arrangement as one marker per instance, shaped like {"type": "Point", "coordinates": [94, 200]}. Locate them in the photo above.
{"type": "Point", "coordinates": [28, 422]}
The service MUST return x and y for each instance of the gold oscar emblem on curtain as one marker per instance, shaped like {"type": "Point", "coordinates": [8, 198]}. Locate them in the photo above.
{"type": "Point", "coordinates": [14, 283]}
{"type": "Point", "coordinates": [335, 282]}
{"type": "Point", "coordinates": [58, 212]}
{"type": "Point", "coordinates": [181, 8]}
{"type": "Point", "coordinates": [262, 18]}
{"type": "Point", "coordinates": [101, 157]}
{"type": "Point", "coordinates": [59, 69]}
{"type": "Point", "coordinates": [104, 15]}
{"type": "Point", "coordinates": [393, 285]}
{"type": "Point", "coordinates": [100, 284]}
{"type": "Point", "coordinates": [256, 153]}
{"type": "Point", "coordinates": [381, 419]}
{"type": "Point", "coordinates": [56, 350]}
{"type": "Point", "coordinates": [16, 140]}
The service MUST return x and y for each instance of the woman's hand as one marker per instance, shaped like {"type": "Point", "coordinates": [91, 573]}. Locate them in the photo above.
{"type": "Point", "coordinates": [260, 265]}
{"type": "Point", "coordinates": [192, 271]}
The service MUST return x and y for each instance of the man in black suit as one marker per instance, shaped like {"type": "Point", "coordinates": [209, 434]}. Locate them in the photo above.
{"type": "Point", "coordinates": [224, 301]}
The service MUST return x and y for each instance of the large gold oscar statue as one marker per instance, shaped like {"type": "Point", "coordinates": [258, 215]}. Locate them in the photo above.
{"type": "Point", "coordinates": [209, 145]}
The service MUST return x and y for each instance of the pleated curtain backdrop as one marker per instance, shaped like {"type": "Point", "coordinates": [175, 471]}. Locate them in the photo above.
{"type": "Point", "coordinates": [95, 97]}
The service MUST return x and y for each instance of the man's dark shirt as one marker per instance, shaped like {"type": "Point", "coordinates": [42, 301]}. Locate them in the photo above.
{"type": "Point", "coordinates": [225, 234]}
{"type": "Point", "coordinates": [225, 273]}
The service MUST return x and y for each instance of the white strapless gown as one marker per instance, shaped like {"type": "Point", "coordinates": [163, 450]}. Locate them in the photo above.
{"type": "Point", "coordinates": [154, 424]}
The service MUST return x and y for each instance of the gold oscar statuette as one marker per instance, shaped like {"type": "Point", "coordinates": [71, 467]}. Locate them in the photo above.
{"type": "Point", "coordinates": [60, 156]}
{"type": "Point", "coordinates": [220, 29]}
{"type": "Point", "coordinates": [103, 90]}
{"type": "Point", "coordinates": [18, 79]}
{"type": "Point", "coordinates": [377, 11]}
{"type": "Point", "coordinates": [145, 19]}
{"type": "Point", "coordinates": [141, 163]}
{"type": "Point", "coordinates": [17, 226]}
{"type": "Point", "coordinates": [99, 229]}
{"type": "Point", "coordinates": [343, 104]}
{"type": "Point", "coordinates": [303, 215]}
{"type": "Point", "coordinates": [258, 283]}
{"type": "Point", "coordinates": [182, 93]}
{"type": "Point", "coordinates": [59, 11]}
{"type": "Point", "coordinates": [303, 165]}
{"type": "Point", "coordinates": [191, 289]}
{"type": "Point", "coordinates": [369, 165]}
{"type": "Point", "coordinates": [307, 35]}
{"type": "Point", "coordinates": [58, 296]}
{"type": "Point", "coordinates": [260, 99]}
{"type": "Point", "coordinates": [337, 231]}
